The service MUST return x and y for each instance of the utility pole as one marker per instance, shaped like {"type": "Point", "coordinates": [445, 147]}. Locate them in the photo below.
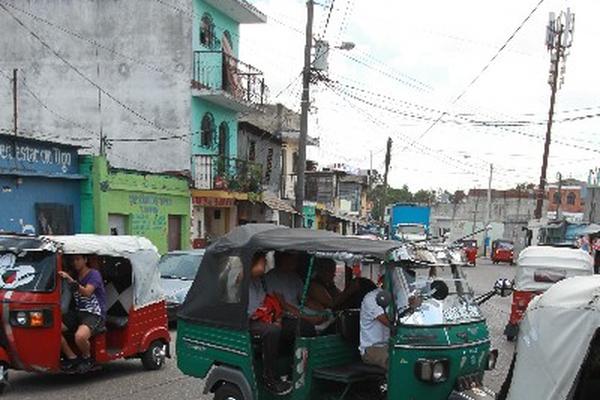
{"type": "Point", "coordinates": [388, 159]}
{"type": "Point", "coordinates": [15, 104]}
{"type": "Point", "coordinates": [559, 38]}
{"type": "Point", "coordinates": [489, 210]}
{"type": "Point", "coordinates": [306, 73]}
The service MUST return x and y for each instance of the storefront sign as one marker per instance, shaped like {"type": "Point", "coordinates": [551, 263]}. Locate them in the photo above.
{"type": "Point", "coordinates": [213, 202]}
{"type": "Point", "coordinates": [35, 156]}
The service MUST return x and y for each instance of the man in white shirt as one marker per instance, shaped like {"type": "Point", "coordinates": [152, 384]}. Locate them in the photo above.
{"type": "Point", "coordinates": [374, 331]}
{"type": "Point", "coordinates": [284, 279]}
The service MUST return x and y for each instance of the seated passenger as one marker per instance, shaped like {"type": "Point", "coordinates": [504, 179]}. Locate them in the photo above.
{"type": "Point", "coordinates": [322, 293]}
{"type": "Point", "coordinates": [374, 331]}
{"type": "Point", "coordinates": [89, 315]}
{"type": "Point", "coordinates": [265, 322]}
{"type": "Point", "coordinates": [284, 283]}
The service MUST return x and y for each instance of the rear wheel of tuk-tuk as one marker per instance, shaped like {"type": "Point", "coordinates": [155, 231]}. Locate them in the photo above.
{"type": "Point", "coordinates": [228, 391]}
{"type": "Point", "coordinates": [154, 358]}
{"type": "Point", "coordinates": [3, 378]}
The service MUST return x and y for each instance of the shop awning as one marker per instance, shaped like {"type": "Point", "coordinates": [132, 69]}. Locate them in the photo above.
{"type": "Point", "coordinates": [277, 204]}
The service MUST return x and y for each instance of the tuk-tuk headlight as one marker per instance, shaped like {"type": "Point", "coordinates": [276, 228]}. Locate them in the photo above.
{"type": "Point", "coordinates": [492, 359]}
{"type": "Point", "coordinates": [432, 370]}
{"type": "Point", "coordinates": [21, 318]}
{"type": "Point", "coordinates": [31, 318]}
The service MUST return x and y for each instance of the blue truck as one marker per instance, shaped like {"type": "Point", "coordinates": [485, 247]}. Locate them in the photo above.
{"type": "Point", "coordinates": [408, 221]}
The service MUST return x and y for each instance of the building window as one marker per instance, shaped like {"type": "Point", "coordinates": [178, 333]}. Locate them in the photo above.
{"type": "Point", "coordinates": [556, 198]}
{"type": "Point", "coordinates": [269, 168]}
{"type": "Point", "coordinates": [227, 42]}
{"type": "Point", "coordinates": [207, 130]}
{"type": "Point", "coordinates": [295, 162]}
{"type": "Point", "coordinates": [252, 151]}
{"type": "Point", "coordinates": [207, 31]}
{"type": "Point", "coordinates": [571, 197]}
{"type": "Point", "coordinates": [224, 139]}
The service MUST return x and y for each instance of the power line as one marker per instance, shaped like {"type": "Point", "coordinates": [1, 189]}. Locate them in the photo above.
{"type": "Point", "coordinates": [485, 68]}
{"type": "Point", "coordinates": [331, 6]}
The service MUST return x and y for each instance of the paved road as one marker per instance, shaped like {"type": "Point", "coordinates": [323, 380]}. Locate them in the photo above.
{"type": "Point", "coordinates": [127, 379]}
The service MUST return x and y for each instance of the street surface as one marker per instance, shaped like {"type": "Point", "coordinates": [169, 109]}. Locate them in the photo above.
{"type": "Point", "coordinates": [127, 379]}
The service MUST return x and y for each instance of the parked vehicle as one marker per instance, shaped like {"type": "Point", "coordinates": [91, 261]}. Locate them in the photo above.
{"type": "Point", "coordinates": [410, 233]}
{"type": "Point", "coordinates": [427, 349]}
{"type": "Point", "coordinates": [34, 301]}
{"type": "Point", "coordinates": [558, 353]}
{"type": "Point", "coordinates": [177, 272]}
{"type": "Point", "coordinates": [503, 251]}
{"type": "Point", "coordinates": [411, 216]}
{"type": "Point", "coordinates": [538, 268]}
{"type": "Point", "coordinates": [471, 250]}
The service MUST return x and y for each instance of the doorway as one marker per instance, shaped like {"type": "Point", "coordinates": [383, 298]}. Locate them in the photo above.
{"type": "Point", "coordinates": [174, 232]}
{"type": "Point", "coordinates": [118, 224]}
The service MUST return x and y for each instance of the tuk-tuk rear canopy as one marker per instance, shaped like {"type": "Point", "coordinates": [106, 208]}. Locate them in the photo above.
{"type": "Point", "coordinates": [554, 339]}
{"type": "Point", "coordinates": [539, 267]}
{"type": "Point", "coordinates": [219, 294]}
{"type": "Point", "coordinates": [140, 252]}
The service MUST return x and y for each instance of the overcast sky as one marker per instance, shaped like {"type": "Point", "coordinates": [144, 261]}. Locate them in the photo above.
{"type": "Point", "coordinates": [411, 60]}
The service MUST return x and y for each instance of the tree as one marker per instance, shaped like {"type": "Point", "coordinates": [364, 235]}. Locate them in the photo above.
{"type": "Point", "coordinates": [457, 197]}
{"type": "Point", "coordinates": [424, 197]}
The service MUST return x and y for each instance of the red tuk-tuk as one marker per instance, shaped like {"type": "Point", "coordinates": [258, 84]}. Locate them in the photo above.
{"type": "Point", "coordinates": [538, 268]}
{"type": "Point", "coordinates": [35, 298]}
{"type": "Point", "coordinates": [471, 250]}
{"type": "Point", "coordinates": [503, 251]}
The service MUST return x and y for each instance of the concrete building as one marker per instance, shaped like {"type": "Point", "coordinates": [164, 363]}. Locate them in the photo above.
{"type": "Point", "coordinates": [125, 77]}
{"type": "Point", "coordinates": [567, 200]}
{"type": "Point", "coordinates": [510, 212]}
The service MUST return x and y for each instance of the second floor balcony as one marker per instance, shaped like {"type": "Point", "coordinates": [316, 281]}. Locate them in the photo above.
{"type": "Point", "coordinates": [215, 172]}
{"type": "Point", "coordinates": [224, 80]}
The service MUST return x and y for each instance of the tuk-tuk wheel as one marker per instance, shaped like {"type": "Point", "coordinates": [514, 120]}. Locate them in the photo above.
{"type": "Point", "coordinates": [228, 391]}
{"type": "Point", "coordinates": [3, 378]}
{"type": "Point", "coordinates": [154, 358]}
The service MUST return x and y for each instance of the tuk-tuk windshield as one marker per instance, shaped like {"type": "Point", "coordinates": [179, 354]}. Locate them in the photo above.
{"type": "Point", "coordinates": [504, 245]}
{"type": "Point", "coordinates": [32, 271]}
{"type": "Point", "coordinates": [431, 305]}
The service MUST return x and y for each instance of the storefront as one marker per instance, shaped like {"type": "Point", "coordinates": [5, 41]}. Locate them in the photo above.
{"type": "Point", "coordinates": [214, 213]}
{"type": "Point", "coordinates": [39, 187]}
{"type": "Point", "coordinates": [123, 202]}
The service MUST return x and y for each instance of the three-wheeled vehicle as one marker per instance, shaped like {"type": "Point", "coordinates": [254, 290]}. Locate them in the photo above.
{"type": "Point", "coordinates": [558, 353]}
{"type": "Point", "coordinates": [471, 250]}
{"type": "Point", "coordinates": [34, 299]}
{"type": "Point", "coordinates": [438, 351]}
{"type": "Point", "coordinates": [503, 251]}
{"type": "Point", "coordinates": [538, 268]}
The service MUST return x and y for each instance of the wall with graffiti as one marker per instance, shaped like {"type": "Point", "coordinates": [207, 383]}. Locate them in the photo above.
{"type": "Point", "coordinates": [120, 202]}
{"type": "Point", "coordinates": [39, 187]}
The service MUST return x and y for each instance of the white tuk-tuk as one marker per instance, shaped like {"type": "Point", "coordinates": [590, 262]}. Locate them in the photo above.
{"type": "Point", "coordinates": [538, 268]}
{"type": "Point", "coordinates": [558, 352]}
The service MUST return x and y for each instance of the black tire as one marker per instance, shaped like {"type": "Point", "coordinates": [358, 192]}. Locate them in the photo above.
{"type": "Point", "coordinates": [4, 379]}
{"type": "Point", "coordinates": [153, 359]}
{"type": "Point", "coordinates": [228, 391]}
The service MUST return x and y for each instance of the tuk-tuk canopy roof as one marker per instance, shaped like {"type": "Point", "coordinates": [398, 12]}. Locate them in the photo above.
{"type": "Point", "coordinates": [554, 339]}
{"type": "Point", "coordinates": [539, 267]}
{"type": "Point", "coordinates": [140, 252]}
{"type": "Point", "coordinates": [219, 294]}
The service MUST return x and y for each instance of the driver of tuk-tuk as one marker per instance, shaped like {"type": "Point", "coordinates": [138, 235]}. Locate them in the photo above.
{"type": "Point", "coordinates": [266, 323]}
{"type": "Point", "coordinates": [89, 315]}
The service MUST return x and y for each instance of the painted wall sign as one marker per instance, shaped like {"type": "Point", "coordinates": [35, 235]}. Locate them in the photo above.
{"type": "Point", "coordinates": [212, 202]}
{"type": "Point", "coordinates": [34, 156]}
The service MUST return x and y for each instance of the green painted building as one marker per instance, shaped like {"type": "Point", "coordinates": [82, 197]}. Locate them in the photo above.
{"type": "Point", "coordinates": [124, 202]}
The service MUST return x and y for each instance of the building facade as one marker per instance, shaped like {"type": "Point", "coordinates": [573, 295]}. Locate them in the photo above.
{"type": "Point", "coordinates": [566, 200]}
{"type": "Point", "coordinates": [125, 202]}
{"type": "Point", "coordinates": [40, 187]}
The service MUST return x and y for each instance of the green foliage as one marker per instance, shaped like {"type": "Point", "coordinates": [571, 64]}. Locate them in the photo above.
{"type": "Point", "coordinates": [403, 195]}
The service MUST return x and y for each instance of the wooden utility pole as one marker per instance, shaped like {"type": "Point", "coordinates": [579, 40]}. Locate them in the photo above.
{"type": "Point", "coordinates": [305, 105]}
{"type": "Point", "coordinates": [15, 103]}
{"type": "Point", "coordinates": [383, 201]}
{"type": "Point", "coordinates": [558, 40]}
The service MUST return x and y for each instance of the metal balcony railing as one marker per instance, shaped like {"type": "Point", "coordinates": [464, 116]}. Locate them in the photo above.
{"type": "Point", "coordinates": [213, 172]}
{"type": "Point", "coordinates": [216, 70]}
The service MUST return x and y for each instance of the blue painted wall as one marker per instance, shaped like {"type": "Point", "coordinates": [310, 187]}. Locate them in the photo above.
{"type": "Point", "coordinates": [17, 201]}
{"type": "Point", "coordinates": [34, 172]}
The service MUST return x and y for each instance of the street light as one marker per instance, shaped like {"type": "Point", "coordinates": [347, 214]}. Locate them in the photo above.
{"type": "Point", "coordinates": [347, 46]}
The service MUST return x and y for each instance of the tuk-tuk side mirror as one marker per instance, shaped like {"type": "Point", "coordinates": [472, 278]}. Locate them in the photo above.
{"type": "Point", "coordinates": [383, 299]}
{"type": "Point", "coordinates": [503, 287]}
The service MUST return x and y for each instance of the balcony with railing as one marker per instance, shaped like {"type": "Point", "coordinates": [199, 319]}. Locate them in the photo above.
{"type": "Point", "coordinates": [222, 79]}
{"type": "Point", "coordinates": [226, 173]}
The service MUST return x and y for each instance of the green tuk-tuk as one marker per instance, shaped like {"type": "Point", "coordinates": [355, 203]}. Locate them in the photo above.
{"type": "Point", "coordinates": [438, 351]}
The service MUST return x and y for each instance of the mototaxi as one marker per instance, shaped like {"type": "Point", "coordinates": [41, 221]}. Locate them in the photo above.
{"type": "Point", "coordinates": [440, 351]}
{"type": "Point", "coordinates": [558, 361]}
{"type": "Point", "coordinates": [471, 250]}
{"type": "Point", "coordinates": [34, 299]}
{"type": "Point", "coordinates": [503, 251]}
{"type": "Point", "coordinates": [538, 268]}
